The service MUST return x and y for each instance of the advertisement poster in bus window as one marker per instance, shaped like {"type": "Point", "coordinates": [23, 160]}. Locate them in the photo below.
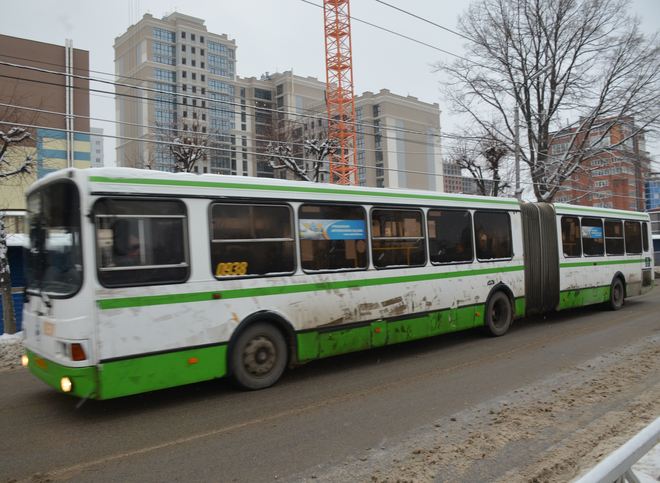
{"type": "Point", "coordinates": [332, 230]}
{"type": "Point", "coordinates": [592, 232]}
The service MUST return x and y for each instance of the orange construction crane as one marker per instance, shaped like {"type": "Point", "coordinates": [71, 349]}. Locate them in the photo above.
{"type": "Point", "coordinates": [339, 90]}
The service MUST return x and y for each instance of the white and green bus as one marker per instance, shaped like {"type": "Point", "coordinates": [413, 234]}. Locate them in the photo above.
{"type": "Point", "coordinates": [142, 280]}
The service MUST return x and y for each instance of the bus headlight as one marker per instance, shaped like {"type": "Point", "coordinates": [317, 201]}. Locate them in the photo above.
{"type": "Point", "coordinates": [66, 384]}
{"type": "Point", "coordinates": [25, 360]}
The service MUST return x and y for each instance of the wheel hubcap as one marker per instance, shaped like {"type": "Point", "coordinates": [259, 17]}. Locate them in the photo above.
{"type": "Point", "coordinates": [499, 314]}
{"type": "Point", "coordinates": [259, 356]}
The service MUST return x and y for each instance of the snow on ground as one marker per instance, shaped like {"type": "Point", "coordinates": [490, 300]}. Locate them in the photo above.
{"type": "Point", "coordinates": [647, 469]}
{"type": "Point", "coordinates": [11, 349]}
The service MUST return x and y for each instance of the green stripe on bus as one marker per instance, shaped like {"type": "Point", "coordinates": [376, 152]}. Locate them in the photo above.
{"type": "Point", "coordinates": [120, 303]}
{"type": "Point", "coordinates": [159, 371]}
{"type": "Point", "coordinates": [608, 262]}
{"type": "Point", "coordinates": [601, 211]}
{"type": "Point", "coordinates": [315, 345]}
{"type": "Point", "coordinates": [298, 189]}
{"type": "Point", "coordinates": [584, 296]}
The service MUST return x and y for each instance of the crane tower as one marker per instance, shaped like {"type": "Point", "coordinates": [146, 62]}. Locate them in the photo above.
{"type": "Point", "coordinates": [339, 90]}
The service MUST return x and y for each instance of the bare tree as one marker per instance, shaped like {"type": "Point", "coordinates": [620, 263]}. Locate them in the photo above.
{"type": "Point", "coordinates": [11, 167]}
{"type": "Point", "coordinates": [280, 157]}
{"type": "Point", "coordinates": [189, 145]}
{"type": "Point", "coordinates": [579, 59]}
{"type": "Point", "coordinates": [484, 160]}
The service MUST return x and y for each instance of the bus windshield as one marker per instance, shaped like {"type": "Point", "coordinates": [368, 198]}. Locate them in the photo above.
{"type": "Point", "coordinates": [54, 262]}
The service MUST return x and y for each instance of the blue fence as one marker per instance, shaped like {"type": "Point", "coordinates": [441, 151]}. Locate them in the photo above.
{"type": "Point", "coordinates": [17, 267]}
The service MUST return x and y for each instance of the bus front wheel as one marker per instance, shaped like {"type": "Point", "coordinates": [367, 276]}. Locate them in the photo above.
{"type": "Point", "coordinates": [617, 294]}
{"type": "Point", "coordinates": [499, 314]}
{"type": "Point", "coordinates": [258, 357]}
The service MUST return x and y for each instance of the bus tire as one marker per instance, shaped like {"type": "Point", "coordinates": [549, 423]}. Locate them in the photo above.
{"type": "Point", "coordinates": [258, 356]}
{"type": "Point", "coordinates": [617, 294]}
{"type": "Point", "coordinates": [499, 314]}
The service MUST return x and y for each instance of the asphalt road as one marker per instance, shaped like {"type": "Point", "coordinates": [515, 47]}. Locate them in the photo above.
{"type": "Point", "coordinates": [316, 417]}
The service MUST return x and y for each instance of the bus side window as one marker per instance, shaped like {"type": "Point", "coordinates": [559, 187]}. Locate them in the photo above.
{"type": "Point", "coordinates": [397, 239]}
{"type": "Point", "coordinates": [614, 237]}
{"type": "Point", "coordinates": [332, 237]}
{"type": "Point", "coordinates": [570, 236]}
{"type": "Point", "coordinates": [251, 240]}
{"type": "Point", "coordinates": [492, 234]}
{"type": "Point", "coordinates": [450, 236]}
{"type": "Point", "coordinates": [645, 236]}
{"type": "Point", "coordinates": [141, 242]}
{"type": "Point", "coordinates": [592, 237]}
{"type": "Point", "coordinates": [633, 237]}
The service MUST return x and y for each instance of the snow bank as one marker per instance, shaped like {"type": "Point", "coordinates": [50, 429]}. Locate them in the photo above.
{"type": "Point", "coordinates": [647, 469]}
{"type": "Point", "coordinates": [11, 349]}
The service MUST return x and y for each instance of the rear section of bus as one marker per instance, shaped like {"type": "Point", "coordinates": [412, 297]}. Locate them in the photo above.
{"type": "Point", "coordinates": [57, 318]}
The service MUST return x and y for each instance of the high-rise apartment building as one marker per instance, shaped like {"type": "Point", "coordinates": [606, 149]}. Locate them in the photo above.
{"type": "Point", "coordinates": [175, 80]}
{"type": "Point", "coordinates": [183, 82]}
{"type": "Point", "coordinates": [652, 188]}
{"type": "Point", "coordinates": [614, 176]}
{"type": "Point", "coordinates": [56, 114]}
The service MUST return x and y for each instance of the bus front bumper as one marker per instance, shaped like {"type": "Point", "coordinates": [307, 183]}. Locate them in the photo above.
{"type": "Point", "coordinates": [84, 380]}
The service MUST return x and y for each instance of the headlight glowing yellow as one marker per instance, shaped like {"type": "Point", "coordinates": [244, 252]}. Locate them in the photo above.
{"type": "Point", "coordinates": [25, 360]}
{"type": "Point", "coordinates": [66, 384]}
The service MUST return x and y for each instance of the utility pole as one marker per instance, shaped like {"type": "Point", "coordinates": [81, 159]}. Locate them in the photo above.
{"type": "Point", "coordinates": [516, 121]}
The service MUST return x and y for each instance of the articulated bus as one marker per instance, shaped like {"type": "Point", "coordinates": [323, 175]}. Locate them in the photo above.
{"type": "Point", "coordinates": [142, 280]}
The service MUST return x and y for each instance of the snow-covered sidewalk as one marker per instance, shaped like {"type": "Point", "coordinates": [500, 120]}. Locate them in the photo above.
{"type": "Point", "coordinates": [11, 349]}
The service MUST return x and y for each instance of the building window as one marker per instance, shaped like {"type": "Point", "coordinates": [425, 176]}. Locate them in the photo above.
{"type": "Point", "coordinates": [192, 50]}
{"type": "Point", "coordinates": [183, 60]}
{"type": "Point", "coordinates": [397, 239]}
{"type": "Point", "coordinates": [614, 237]}
{"type": "Point", "coordinates": [492, 233]}
{"type": "Point", "coordinates": [194, 76]}
{"type": "Point", "coordinates": [162, 34]}
{"type": "Point", "coordinates": [183, 35]}
{"type": "Point", "coordinates": [251, 240]}
{"type": "Point", "coordinates": [592, 237]}
{"type": "Point", "coordinates": [192, 37]}
{"type": "Point", "coordinates": [332, 237]}
{"type": "Point", "coordinates": [203, 77]}
{"type": "Point", "coordinates": [201, 39]}
{"type": "Point", "coordinates": [201, 52]}
{"type": "Point", "coordinates": [450, 236]}
{"type": "Point", "coordinates": [141, 242]}
{"type": "Point", "coordinates": [183, 47]}
{"type": "Point", "coordinates": [184, 74]}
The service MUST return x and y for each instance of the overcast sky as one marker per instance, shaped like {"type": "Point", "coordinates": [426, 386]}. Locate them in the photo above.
{"type": "Point", "coordinates": [272, 36]}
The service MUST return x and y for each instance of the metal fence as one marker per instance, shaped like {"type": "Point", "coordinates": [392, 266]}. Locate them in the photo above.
{"type": "Point", "coordinates": [617, 467]}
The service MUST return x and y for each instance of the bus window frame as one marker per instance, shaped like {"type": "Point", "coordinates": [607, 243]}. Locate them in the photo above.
{"type": "Point", "coordinates": [81, 217]}
{"type": "Point", "coordinates": [186, 242]}
{"type": "Point", "coordinates": [474, 235]}
{"type": "Point", "coordinates": [561, 238]}
{"type": "Point", "coordinates": [602, 226]}
{"type": "Point", "coordinates": [641, 242]}
{"type": "Point", "coordinates": [623, 236]}
{"type": "Point", "coordinates": [298, 240]}
{"type": "Point", "coordinates": [424, 237]}
{"type": "Point", "coordinates": [252, 202]}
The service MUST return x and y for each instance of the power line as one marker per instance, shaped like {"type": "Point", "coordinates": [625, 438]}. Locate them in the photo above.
{"type": "Point", "coordinates": [169, 143]}
{"type": "Point", "coordinates": [423, 19]}
{"type": "Point", "coordinates": [412, 39]}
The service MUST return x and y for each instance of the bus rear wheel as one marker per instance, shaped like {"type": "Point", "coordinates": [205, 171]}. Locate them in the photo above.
{"type": "Point", "coordinates": [617, 294]}
{"type": "Point", "coordinates": [499, 314]}
{"type": "Point", "coordinates": [258, 357]}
